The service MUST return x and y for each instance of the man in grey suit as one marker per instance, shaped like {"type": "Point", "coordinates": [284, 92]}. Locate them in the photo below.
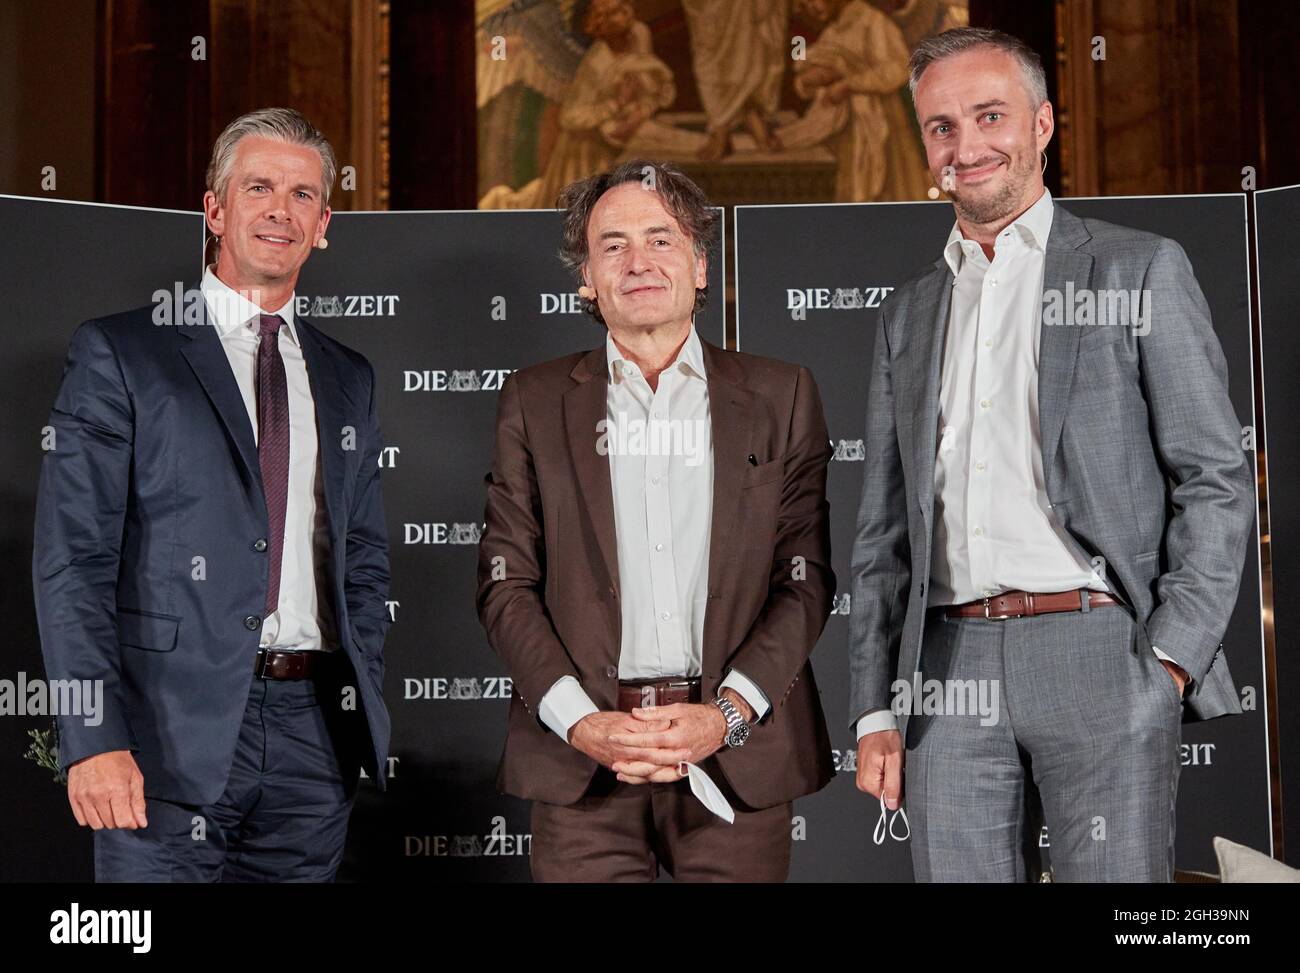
{"type": "Point", "coordinates": [1054, 516]}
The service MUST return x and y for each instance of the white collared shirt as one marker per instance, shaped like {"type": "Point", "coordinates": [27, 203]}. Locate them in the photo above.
{"type": "Point", "coordinates": [660, 448]}
{"type": "Point", "coordinates": [993, 528]}
{"type": "Point", "coordinates": [303, 619]}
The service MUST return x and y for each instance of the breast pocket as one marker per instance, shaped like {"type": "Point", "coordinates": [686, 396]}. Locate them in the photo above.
{"type": "Point", "coordinates": [768, 472]}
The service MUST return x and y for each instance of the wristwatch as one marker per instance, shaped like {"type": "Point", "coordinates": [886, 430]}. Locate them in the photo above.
{"type": "Point", "coordinates": [737, 729]}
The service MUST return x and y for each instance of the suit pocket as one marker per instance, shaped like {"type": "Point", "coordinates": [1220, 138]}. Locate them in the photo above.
{"type": "Point", "coordinates": [1148, 565]}
{"type": "Point", "coordinates": [147, 630]}
{"type": "Point", "coordinates": [763, 473]}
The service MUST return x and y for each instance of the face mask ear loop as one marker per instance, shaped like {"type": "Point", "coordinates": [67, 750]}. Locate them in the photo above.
{"type": "Point", "coordinates": [878, 835]}
{"type": "Point", "coordinates": [906, 824]}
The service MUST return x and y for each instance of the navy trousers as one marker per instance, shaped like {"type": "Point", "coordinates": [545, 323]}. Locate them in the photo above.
{"type": "Point", "coordinates": [283, 816]}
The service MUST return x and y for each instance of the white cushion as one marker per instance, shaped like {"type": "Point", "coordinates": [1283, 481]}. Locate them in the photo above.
{"type": "Point", "coordinates": [1237, 863]}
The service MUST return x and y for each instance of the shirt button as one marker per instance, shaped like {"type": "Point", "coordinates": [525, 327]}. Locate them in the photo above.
{"type": "Point", "coordinates": [654, 479]}
{"type": "Point", "coordinates": [993, 282]}
{"type": "Point", "coordinates": [979, 467]}
{"type": "Point", "coordinates": [665, 615]}
{"type": "Point", "coordinates": [252, 622]}
{"type": "Point", "coordinates": [984, 403]}
{"type": "Point", "coordinates": [988, 342]}
{"type": "Point", "coordinates": [611, 671]}
{"type": "Point", "coordinates": [259, 545]}
{"type": "Point", "coordinates": [979, 531]}
{"type": "Point", "coordinates": [659, 547]}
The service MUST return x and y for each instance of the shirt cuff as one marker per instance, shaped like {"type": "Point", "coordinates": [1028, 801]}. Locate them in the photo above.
{"type": "Point", "coordinates": [1169, 658]}
{"type": "Point", "coordinates": [755, 697]}
{"type": "Point", "coordinates": [875, 721]}
{"type": "Point", "coordinates": [563, 705]}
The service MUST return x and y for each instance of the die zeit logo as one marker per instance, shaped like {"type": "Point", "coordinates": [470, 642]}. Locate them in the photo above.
{"type": "Point", "coordinates": [834, 298]}
{"type": "Point", "coordinates": [458, 687]}
{"type": "Point", "coordinates": [497, 843]}
{"type": "Point", "coordinates": [347, 305]}
{"type": "Point", "coordinates": [561, 304]}
{"type": "Point", "coordinates": [454, 379]}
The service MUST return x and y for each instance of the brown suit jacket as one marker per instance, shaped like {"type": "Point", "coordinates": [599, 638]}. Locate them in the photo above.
{"type": "Point", "coordinates": [548, 587]}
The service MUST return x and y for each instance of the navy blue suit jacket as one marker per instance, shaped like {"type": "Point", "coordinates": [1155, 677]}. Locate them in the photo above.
{"type": "Point", "coordinates": [153, 465]}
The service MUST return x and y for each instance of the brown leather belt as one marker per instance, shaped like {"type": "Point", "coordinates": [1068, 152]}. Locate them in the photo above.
{"type": "Point", "coordinates": [1019, 604]}
{"type": "Point", "coordinates": [657, 692]}
{"type": "Point", "coordinates": [281, 664]}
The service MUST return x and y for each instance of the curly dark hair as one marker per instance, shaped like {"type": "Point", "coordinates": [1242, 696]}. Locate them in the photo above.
{"type": "Point", "coordinates": [683, 200]}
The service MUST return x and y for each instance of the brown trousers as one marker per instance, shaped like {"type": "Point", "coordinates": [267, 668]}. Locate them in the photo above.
{"type": "Point", "coordinates": [625, 832]}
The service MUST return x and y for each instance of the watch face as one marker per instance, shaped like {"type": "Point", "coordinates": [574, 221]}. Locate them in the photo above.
{"type": "Point", "coordinates": [738, 735]}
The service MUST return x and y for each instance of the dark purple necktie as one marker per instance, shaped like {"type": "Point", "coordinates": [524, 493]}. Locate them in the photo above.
{"type": "Point", "coordinates": [273, 445]}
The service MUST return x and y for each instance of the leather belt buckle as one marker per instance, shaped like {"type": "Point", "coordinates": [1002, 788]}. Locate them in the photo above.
{"type": "Point", "coordinates": [280, 664]}
{"type": "Point", "coordinates": [997, 617]}
{"type": "Point", "coordinates": [261, 663]}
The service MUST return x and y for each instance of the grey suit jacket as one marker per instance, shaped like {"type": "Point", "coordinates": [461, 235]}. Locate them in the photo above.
{"type": "Point", "coordinates": [1142, 457]}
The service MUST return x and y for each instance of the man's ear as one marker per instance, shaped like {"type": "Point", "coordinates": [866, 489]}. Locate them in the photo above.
{"type": "Point", "coordinates": [214, 213]}
{"type": "Point", "coordinates": [322, 226]}
{"type": "Point", "coordinates": [1044, 125]}
{"type": "Point", "coordinates": [701, 271]}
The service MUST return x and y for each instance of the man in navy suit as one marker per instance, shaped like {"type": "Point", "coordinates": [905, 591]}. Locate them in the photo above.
{"type": "Point", "coordinates": [211, 545]}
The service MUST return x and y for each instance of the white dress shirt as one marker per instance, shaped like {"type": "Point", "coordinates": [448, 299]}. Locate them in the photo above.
{"type": "Point", "coordinates": [303, 619]}
{"type": "Point", "coordinates": [663, 511]}
{"type": "Point", "coordinates": [993, 528]}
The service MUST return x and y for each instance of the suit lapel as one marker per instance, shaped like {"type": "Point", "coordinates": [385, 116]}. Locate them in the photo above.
{"type": "Point", "coordinates": [584, 408]}
{"type": "Point", "coordinates": [731, 419]}
{"type": "Point", "coordinates": [920, 360]}
{"type": "Point", "coordinates": [326, 386]}
{"type": "Point", "coordinates": [201, 347]}
{"type": "Point", "coordinates": [1058, 345]}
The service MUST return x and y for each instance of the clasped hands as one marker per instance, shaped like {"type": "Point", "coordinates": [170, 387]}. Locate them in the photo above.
{"type": "Point", "coordinates": [650, 744]}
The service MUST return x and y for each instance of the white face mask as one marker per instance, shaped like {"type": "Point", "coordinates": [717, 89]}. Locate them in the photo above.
{"type": "Point", "coordinates": [878, 836]}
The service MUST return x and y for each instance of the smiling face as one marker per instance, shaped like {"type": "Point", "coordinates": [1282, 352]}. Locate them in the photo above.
{"type": "Point", "coordinates": [641, 265]}
{"type": "Point", "coordinates": [271, 216]}
{"type": "Point", "coordinates": [977, 116]}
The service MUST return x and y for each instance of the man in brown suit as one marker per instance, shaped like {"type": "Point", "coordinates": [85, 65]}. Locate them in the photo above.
{"type": "Point", "coordinates": [655, 567]}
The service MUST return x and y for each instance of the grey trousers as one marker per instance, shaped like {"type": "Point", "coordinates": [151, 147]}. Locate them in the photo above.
{"type": "Point", "coordinates": [1070, 703]}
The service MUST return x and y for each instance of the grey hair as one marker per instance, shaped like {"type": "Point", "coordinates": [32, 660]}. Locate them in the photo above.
{"type": "Point", "coordinates": [962, 39]}
{"type": "Point", "coordinates": [682, 198]}
{"type": "Point", "coordinates": [281, 124]}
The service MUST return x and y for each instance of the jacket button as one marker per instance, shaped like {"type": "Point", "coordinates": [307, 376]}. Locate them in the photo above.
{"type": "Point", "coordinates": [611, 671]}
{"type": "Point", "coordinates": [259, 545]}
{"type": "Point", "coordinates": [252, 622]}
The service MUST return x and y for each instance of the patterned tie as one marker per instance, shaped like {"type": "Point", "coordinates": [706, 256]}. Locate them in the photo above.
{"type": "Point", "coordinates": [273, 445]}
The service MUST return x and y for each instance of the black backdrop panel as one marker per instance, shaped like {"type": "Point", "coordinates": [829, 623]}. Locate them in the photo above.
{"type": "Point", "coordinates": [833, 261]}
{"type": "Point", "coordinates": [435, 286]}
{"type": "Point", "coordinates": [1277, 229]}
{"type": "Point", "coordinates": [60, 264]}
